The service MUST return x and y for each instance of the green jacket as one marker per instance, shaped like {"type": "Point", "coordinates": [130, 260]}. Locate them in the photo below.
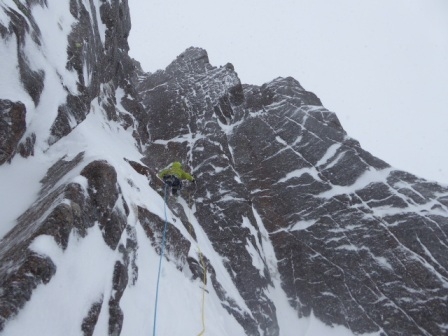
{"type": "Point", "coordinates": [176, 170]}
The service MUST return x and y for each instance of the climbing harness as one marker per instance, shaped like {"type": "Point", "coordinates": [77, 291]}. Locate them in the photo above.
{"type": "Point", "coordinates": [173, 182]}
{"type": "Point", "coordinates": [162, 248]}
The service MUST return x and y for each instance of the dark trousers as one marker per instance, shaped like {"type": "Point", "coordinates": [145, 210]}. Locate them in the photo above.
{"type": "Point", "coordinates": [173, 182]}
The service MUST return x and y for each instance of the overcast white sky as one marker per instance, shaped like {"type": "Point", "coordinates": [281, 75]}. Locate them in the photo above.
{"type": "Point", "coordinates": [381, 65]}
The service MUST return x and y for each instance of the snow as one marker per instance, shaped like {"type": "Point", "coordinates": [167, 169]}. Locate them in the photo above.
{"type": "Point", "coordinates": [20, 188]}
{"type": "Point", "coordinates": [298, 173]}
{"type": "Point", "coordinates": [53, 51]}
{"type": "Point", "coordinates": [218, 261]}
{"type": "Point", "coordinates": [85, 267]}
{"type": "Point", "coordinates": [10, 86]}
{"type": "Point", "coordinates": [51, 58]}
{"type": "Point", "coordinates": [20, 184]}
{"type": "Point", "coordinates": [279, 139]}
{"type": "Point", "coordinates": [4, 19]}
{"type": "Point", "coordinates": [97, 17]}
{"type": "Point", "coordinates": [347, 247]}
{"type": "Point", "coordinates": [228, 129]}
{"type": "Point", "coordinates": [257, 261]}
{"type": "Point", "coordinates": [289, 323]}
{"type": "Point", "coordinates": [100, 138]}
{"type": "Point", "coordinates": [302, 225]}
{"type": "Point", "coordinates": [368, 177]}
{"type": "Point", "coordinates": [179, 297]}
{"type": "Point", "coordinates": [382, 261]}
{"type": "Point", "coordinates": [335, 160]}
{"type": "Point", "coordinates": [180, 301]}
{"type": "Point", "coordinates": [96, 137]}
{"type": "Point", "coordinates": [331, 151]}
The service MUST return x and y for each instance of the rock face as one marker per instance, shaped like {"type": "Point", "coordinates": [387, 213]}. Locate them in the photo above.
{"type": "Point", "coordinates": [284, 198]}
{"type": "Point", "coordinates": [359, 243]}
{"type": "Point", "coordinates": [355, 238]}
{"type": "Point", "coordinates": [98, 60]}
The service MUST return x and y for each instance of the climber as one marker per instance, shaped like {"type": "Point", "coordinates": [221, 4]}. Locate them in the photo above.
{"type": "Point", "coordinates": [174, 175]}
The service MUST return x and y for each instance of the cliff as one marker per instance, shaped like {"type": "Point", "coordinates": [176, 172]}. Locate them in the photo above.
{"type": "Point", "coordinates": [290, 221]}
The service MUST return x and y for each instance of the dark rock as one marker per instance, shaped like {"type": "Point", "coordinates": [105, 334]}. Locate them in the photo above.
{"type": "Point", "coordinates": [22, 270]}
{"type": "Point", "coordinates": [116, 318]}
{"type": "Point", "coordinates": [60, 209]}
{"type": "Point", "coordinates": [130, 254]}
{"type": "Point", "coordinates": [243, 318]}
{"type": "Point", "coordinates": [26, 148]}
{"type": "Point", "coordinates": [342, 254]}
{"type": "Point", "coordinates": [119, 282]}
{"type": "Point", "coordinates": [200, 109]}
{"type": "Point", "coordinates": [84, 47]}
{"type": "Point", "coordinates": [196, 268]}
{"type": "Point", "coordinates": [176, 246]}
{"type": "Point", "coordinates": [32, 80]}
{"type": "Point", "coordinates": [108, 64]}
{"type": "Point", "coordinates": [17, 289]}
{"type": "Point", "coordinates": [12, 128]}
{"type": "Point", "coordinates": [103, 194]}
{"type": "Point", "coordinates": [89, 322]}
{"type": "Point", "coordinates": [139, 168]}
{"type": "Point", "coordinates": [59, 224]}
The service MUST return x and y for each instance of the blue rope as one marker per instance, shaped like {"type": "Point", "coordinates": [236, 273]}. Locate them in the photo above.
{"type": "Point", "coordinates": [160, 264]}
